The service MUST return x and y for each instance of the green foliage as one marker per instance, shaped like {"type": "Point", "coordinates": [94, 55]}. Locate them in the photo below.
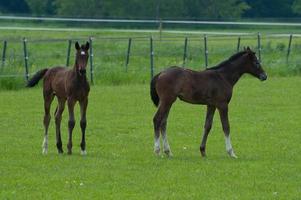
{"type": "Point", "coordinates": [13, 6]}
{"type": "Point", "coordinates": [272, 9]}
{"type": "Point", "coordinates": [120, 164]}
{"type": "Point", "coordinates": [153, 9]}
{"type": "Point", "coordinates": [223, 9]}
{"type": "Point", "coordinates": [297, 6]}
{"type": "Point", "coordinates": [38, 7]}
{"type": "Point", "coordinates": [80, 8]}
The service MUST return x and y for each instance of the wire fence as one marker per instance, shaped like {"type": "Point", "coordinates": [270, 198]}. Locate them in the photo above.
{"type": "Point", "coordinates": [122, 59]}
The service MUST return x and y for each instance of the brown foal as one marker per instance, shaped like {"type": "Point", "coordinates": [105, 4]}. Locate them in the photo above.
{"type": "Point", "coordinates": [212, 87]}
{"type": "Point", "coordinates": [69, 85]}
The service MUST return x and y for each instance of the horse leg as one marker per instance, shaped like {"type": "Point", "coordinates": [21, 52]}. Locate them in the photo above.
{"type": "Point", "coordinates": [207, 128]}
{"type": "Point", "coordinates": [166, 147]}
{"type": "Point", "coordinates": [159, 121]}
{"type": "Point", "coordinates": [71, 123]}
{"type": "Point", "coordinates": [58, 118]}
{"type": "Point", "coordinates": [47, 103]}
{"type": "Point", "coordinates": [223, 112]}
{"type": "Point", "coordinates": [156, 121]}
{"type": "Point", "coordinates": [83, 123]}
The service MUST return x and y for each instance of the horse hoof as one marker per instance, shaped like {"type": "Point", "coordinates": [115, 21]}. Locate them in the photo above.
{"type": "Point", "coordinates": [231, 153]}
{"type": "Point", "coordinates": [233, 156]}
{"type": "Point", "coordinates": [203, 151]}
{"type": "Point", "coordinates": [168, 153]}
{"type": "Point", "coordinates": [83, 153]}
{"type": "Point", "coordinates": [157, 152]}
{"type": "Point", "coordinates": [45, 151]}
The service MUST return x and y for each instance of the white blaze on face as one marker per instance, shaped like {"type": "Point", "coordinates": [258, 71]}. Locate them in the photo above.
{"type": "Point", "coordinates": [82, 53]}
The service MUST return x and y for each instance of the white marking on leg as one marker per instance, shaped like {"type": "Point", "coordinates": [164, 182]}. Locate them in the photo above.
{"type": "Point", "coordinates": [157, 146]}
{"type": "Point", "coordinates": [229, 148]}
{"type": "Point", "coordinates": [83, 153]}
{"type": "Point", "coordinates": [228, 143]}
{"type": "Point", "coordinates": [166, 147]}
{"type": "Point", "coordinates": [45, 144]}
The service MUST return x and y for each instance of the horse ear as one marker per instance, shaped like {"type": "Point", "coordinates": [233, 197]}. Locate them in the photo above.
{"type": "Point", "coordinates": [245, 49]}
{"type": "Point", "coordinates": [248, 48]}
{"type": "Point", "coordinates": [77, 47]}
{"type": "Point", "coordinates": [87, 46]}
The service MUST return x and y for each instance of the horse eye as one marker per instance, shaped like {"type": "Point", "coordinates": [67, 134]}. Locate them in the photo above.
{"type": "Point", "coordinates": [257, 63]}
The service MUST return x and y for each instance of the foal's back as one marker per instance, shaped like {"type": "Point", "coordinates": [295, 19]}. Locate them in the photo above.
{"type": "Point", "coordinates": [197, 87]}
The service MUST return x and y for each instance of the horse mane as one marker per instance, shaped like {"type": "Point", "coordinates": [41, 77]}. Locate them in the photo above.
{"type": "Point", "coordinates": [228, 61]}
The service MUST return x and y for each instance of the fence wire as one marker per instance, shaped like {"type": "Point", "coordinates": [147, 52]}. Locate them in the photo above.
{"type": "Point", "coordinates": [113, 58]}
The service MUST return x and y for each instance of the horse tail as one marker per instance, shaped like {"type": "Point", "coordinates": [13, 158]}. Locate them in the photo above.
{"type": "Point", "coordinates": [36, 78]}
{"type": "Point", "coordinates": [153, 91]}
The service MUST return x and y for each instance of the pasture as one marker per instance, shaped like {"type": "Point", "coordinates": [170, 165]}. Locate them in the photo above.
{"type": "Point", "coordinates": [120, 164]}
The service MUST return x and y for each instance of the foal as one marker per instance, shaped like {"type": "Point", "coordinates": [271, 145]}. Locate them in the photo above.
{"type": "Point", "coordinates": [69, 85]}
{"type": "Point", "coordinates": [212, 87]}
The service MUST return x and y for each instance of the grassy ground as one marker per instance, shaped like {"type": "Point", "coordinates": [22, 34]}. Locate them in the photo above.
{"type": "Point", "coordinates": [265, 124]}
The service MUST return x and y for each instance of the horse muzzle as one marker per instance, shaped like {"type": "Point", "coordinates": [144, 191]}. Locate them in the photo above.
{"type": "Point", "coordinates": [263, 76]}
{"type": "Point", "coordinates": [82, 72]}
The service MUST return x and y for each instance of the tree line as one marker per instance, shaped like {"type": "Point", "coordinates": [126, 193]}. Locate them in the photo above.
{"type": "Point", "coordinates": [155, 9]}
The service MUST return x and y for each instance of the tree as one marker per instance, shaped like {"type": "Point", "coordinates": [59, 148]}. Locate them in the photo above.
{"type": "Point", "coordinates": [13, 6]}
{"type": "Point", "coordinates": [215, 9]}
{"type": "Point", "coordinates": [271, 9]}
{"type": "Point", "coordinates": [80, 8]}
{"type": "Point", "coordinates": [296, 7]}
{"type": "Point", "coordinates": [38, 7]}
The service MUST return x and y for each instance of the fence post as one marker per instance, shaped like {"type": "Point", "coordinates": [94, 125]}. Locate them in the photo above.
{"type": "Point", "coordinates": [238, 44]}
{"type": "Point", "coordinates": [25, 58]}
{"type": "Point", "coordinates": [68, 52]}
{"type": "Point", "coordinates": [151, 57]}
{"type": "Point", "coordinates": [4, 52]}
{"type": "Point", "coordinates": [91, 61]}
{"type": "Point", "coordinates": [259, 46]}
{"type": "Point", "coordinates": [289, 47]}
{"type": "Point", "coordinates": [185, 51]}
{"type": "Point", "coordinates": [160, 28]}
{"type": "Point", "coordinates": [206, 51]}
{"type": "Point", "coordinates": [128, 54]}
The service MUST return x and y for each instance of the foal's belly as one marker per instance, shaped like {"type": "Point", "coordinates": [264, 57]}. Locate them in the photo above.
{"type": "Point", "coordinates": [202, 101]}
{"type": "Point", "coordinates": [195, 99]}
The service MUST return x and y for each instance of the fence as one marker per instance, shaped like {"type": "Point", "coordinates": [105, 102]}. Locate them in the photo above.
{"type": "Point", "coordinates": [119, 59]}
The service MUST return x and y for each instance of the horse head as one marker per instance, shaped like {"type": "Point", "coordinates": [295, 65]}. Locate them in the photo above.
{"type": "Point", "coordinates": [253, 65]}
{"type": "Point", "coordinates": [82, 56]}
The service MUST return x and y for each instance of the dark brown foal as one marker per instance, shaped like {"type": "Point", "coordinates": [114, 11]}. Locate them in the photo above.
{"type": "Point", "coordinates": [69, 85]}
{"type": "Point", "coordinates": [212, 87]}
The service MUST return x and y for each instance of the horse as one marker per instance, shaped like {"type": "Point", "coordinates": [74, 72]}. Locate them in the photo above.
{"type": "Point", "coordinates": [212, 87]}
{"type": "Point", "coordinates": [67, 84]}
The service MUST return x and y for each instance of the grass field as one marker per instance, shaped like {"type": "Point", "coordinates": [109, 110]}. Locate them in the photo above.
{"type": "Point", "coordinates": [265, 129]}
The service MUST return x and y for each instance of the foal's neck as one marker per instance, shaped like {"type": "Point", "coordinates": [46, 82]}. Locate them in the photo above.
{"type": "Point", "coordinates": [233, 72]}
{"type": "Point", "coordinates": [79, 77]}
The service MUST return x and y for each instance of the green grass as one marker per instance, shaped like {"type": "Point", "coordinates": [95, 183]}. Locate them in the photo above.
{"type": "Point", "coordinates": [265, 130]}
